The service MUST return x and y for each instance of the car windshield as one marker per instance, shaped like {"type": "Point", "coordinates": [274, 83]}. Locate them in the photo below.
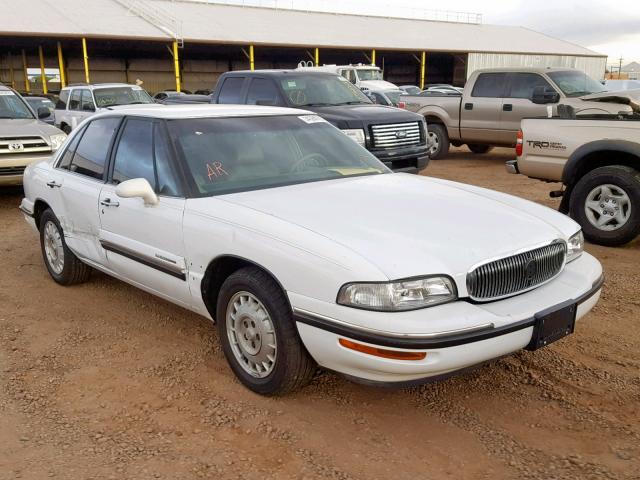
{"type": "Point", "coordinates": [576, 84]}
{"type": "Point", "coordinates": [412, 90]}
{"type": "Point", "coordinates": [37, 103]}
{"type": "Point", "coordinates": [111, 96]}
{"type": "Point", "coordinates": [12, 106]}
{"type": "Point", "coordinates": [369, 74]}
{"type": "Point", "coordinates": [321, 90]}
{"type": "Point", "coordinates": [228, 155]}
{"type": "Point", "coordinates": [394, 96]}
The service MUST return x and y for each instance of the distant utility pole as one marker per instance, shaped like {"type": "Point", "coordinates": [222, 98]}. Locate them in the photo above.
{"type": "Point", "coordinates": [620, 69]}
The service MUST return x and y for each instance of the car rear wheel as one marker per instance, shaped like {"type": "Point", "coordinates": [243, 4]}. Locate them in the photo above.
{"type": "Point", "coordinates": [63, 266]}
{"type": "Point", "coordinates": [606, 203]}
{"type": "Point", "coordinates": [479, 149]}
{"type": "Point", "coordinates": [439, 140]}
{"type": "Point", "coordinates": [258, 334]}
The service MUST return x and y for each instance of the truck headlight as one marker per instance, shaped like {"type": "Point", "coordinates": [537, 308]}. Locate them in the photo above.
{"type": "Point", "coordinates": [398, 296]}
{"type": "Point", "coordinates": [57, 140]}
{"type": "Point", "coordinates": [357, 135]}
{"type": "Point", "coordinates": [575, 246]}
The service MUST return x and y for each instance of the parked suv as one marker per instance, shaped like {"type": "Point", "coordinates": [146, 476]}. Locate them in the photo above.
{"type": "Point", "coordinates": [23, 137]}
{"type": "Point", "coordinates": [397, 137]}
{"type": "Point", "coordinates": [81, 101]}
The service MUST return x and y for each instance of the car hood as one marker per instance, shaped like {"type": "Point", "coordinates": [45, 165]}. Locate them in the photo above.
{"type": "Point", "coordinates": [24, 127]}
{"type": "Point", "coordinates": [377, 85]}
{"type": "Point", "coordinates": [408, 225]}
{"type": "Point", "coordinates": [357, 116]}
{"type": "Point", "coordinates": [624, 97]}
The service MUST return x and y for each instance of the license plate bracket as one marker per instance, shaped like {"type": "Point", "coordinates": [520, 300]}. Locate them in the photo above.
{"type": "Point", "coordinates": [552, 325]}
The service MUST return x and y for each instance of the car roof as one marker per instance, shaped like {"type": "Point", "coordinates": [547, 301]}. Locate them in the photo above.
{"type": "Point", "coordinates": [201, 110]}
{"type": "Point", "coordinates": [527, 70]}
{"type": "Point", "coordinates": [97, 85]}
{"type": "Point", "coordinates": [271, 72]}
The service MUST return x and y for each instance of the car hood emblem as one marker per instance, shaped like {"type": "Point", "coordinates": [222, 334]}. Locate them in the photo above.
{"type": "Point", "coordinates": [16, 147]}
{"type": "Point", "coordinates": [401, 134]}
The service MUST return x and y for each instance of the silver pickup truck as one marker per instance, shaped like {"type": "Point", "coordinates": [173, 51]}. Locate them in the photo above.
{"type": "Point", "coordinates": [493, 102]}
{"type": "Point", "coordinates": [597, 159]}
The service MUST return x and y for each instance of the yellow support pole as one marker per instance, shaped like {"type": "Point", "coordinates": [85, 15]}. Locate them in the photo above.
{"type": "Point", "coordinates": [317, 57]}
{"type": "Point", "coordinates": [11, 72]}
{"type": "Point", "coordinates": [27, 87]}
{"type": "Point", "coordinates": [43, 76]}
{"type": "Point", "coordinates": [423, 69]}
{"type": "Point", "coordinates": [252, 58]}
{"type": "Point", "coordinates": [176, 64]}
{"type": "Point", "coordinates": [86, 60]}
{"type": "Point", "coordinates": [373, 56]}
{"type": "Point", "coordinates": [63, 77]}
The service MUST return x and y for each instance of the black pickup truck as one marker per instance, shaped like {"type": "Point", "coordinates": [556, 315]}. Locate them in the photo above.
{"type": "Point", "coordinates": [396, 137]}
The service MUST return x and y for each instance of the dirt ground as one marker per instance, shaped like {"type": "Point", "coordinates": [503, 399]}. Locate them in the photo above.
{"type": "Point", "coordinates": [102, 381]}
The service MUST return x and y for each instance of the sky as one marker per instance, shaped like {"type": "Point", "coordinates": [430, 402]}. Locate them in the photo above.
{"type": "Point", "coordinates": [608, 27]}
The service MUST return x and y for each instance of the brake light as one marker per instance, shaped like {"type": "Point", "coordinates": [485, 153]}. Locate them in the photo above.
{"type": "Point", "coordinates": [519, 143]}
{"type": "Point", "coordinates": [402, 105]}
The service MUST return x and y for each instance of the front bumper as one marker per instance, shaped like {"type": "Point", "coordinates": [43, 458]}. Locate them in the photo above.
{"type": "Point", "coordinates": [405, 160]}
{"type": "Point", "coordinates": [476, 333]}
{"type": "Point", "coordinates": [12, 167]}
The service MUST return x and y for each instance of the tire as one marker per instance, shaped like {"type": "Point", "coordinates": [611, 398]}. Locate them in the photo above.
{"type": "Point", "coordinates": [66, 129]}
{"type": "Point", "coordinates": [438, 133]}
{"type": "Point", "coordinates": [479, 149]}
{"type": "Point", "coordinates": [68, 270]}
{"type": "Point", "coordinates": [613, 189]}
{"type": "Point", "coordinates": [290, 366]}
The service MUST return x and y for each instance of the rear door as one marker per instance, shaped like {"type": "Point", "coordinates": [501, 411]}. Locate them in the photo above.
{"type": "Point", "coordinates": [144, 243]}
{"type": "Point", "coordinates": [517, 103]}
{"type": "Point", "coordinates": [480, 115]}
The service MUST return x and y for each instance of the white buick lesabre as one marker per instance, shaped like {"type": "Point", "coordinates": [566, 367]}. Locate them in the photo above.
{"type": "Point", "coordinates": [304, 247]}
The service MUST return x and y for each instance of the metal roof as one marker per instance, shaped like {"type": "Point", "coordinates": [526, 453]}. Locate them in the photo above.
{"type": "Point", "coordinates": [227, 24]}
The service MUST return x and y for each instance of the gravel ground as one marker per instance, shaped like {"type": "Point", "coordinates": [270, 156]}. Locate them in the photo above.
{"type": "Point", "coordinates": [102, 381]}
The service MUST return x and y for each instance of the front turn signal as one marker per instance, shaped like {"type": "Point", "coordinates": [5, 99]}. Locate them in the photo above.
{"type": "Point", "coordinates": [382, 352]}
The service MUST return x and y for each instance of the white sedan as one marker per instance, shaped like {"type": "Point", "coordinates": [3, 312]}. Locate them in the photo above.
{"type": "Point", "coordinates": [304, 247]}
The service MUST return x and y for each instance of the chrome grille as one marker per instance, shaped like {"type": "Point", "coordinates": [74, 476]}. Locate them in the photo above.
{"type": "Point", "coordinates": [18, 145]}
{"type": "Point", "coordinates": [516, 274]}
{"type": "Point", "coordinates": [4, 171]}
{"type": "Point", "coordinates": [396, 135]}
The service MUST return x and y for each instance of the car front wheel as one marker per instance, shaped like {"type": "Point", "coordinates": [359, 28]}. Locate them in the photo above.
{"type": "Point", "coordinates": [63, 266]}
{"type": "Point", "coordinates": [258, 334]}
{"type": "Point", "coordinates": [439, 141]}
{"type": "Point", "coordinates": [606, 203]}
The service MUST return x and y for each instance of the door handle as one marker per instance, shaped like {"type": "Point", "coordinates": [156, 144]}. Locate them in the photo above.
{"type": "Point", "coordinates": [468, 106]}
{"type": "Point", "coordinates": [107, 202]}
{"type": "Point", "coordinates": [53, 184]}
{"type": "Point", "coordinates": [507, 107]}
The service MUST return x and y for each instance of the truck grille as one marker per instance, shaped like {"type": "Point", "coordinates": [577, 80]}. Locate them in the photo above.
{"type": "Point", "coordinates": [4, 171]}
{"type": "Point", "coordinates": [516, 274]}
{"type": "Point", "coordinates": [396, 135]}
{"type": "Point", "coordinates": [18, 145]}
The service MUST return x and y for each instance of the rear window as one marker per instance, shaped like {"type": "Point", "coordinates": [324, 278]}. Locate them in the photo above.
{"type": "Point", "coordinates": [112, 96]}
{"type": "Point", "coordinates": [231, 90]}
{"type": "Point", "coordinates": [490, 85]}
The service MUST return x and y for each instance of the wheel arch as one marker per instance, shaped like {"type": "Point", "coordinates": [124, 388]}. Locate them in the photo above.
{"type": "Point", "coordinates": [39, 206]}
{"type": "Point", "coordinates": [219, 269]}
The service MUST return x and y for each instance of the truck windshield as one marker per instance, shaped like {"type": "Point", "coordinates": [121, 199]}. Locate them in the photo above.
{"type": "Point", "coordinates": [576, 84]}
{"type": "Point", "coordinates": [321, 90]}
{"type": "Point", "coordinates": [369, 74]}
{"type": "Point", "coordinates": [111, 96]}
{"type": "Point", "coordinates": [12, 106]}
{"type": "Point", "coordinates": [228, 155]}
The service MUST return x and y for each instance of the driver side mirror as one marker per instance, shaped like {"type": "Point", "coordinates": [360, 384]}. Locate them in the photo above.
{"type": "Point", "coordinates": [43, 112]}
{"type": "Point", "coordinates": [543, 95]}
{"type": "Point", "coordinates": [88, 107]}
{"type": "Point", "coordinates": [137, 188]}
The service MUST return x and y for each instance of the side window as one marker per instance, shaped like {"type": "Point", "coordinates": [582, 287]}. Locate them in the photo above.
{"type": "Point", "coordinates": [167, 181]}
{"type": "Point", "coordinates": [134, 155]}
{"type": "Point", "coordinates": [91, 154]}
{"type": "Point", "coordinates": [522, 84]}
{"type": "Point", "coordinates": [61, 104]}
{"type": "Point", "coordinates": [74, 103]}
{"type": "Point", "coordinates": [231, 90]}
{"type": "Point", "coordinates": [490, 85]}
{"type": "Point", "coordinates": [65, 160]}
{"type": "Point", "coordinates": [263, 91]}
{"type": "Point", "coordinates": [86, 101]}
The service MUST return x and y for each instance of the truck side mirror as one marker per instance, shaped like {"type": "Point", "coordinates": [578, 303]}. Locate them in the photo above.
{"type": "Point", "coordinates": [544, 94]}
{"type": "Point", "coordinates": [43, 112]}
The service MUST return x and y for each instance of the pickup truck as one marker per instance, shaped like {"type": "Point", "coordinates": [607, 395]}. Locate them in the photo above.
{"type": "Point", "coordinates": [396, 137]}
{"type": "Point", "coordinates": [489, 110]}
{"type": "Point", "coordinates": [597, 159]}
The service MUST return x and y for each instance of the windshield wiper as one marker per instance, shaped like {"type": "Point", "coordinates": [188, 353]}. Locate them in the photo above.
{"type": "Point", "coordinates": [317, 105]}
{"type": "Point", "coordinates": [353, 102]}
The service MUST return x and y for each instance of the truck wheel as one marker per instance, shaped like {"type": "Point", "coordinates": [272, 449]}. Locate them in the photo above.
{"type": "Point", "coordinates": [63, 266]}
{"type": "Point", "coordinates": [259, 336]}
{"type": "Point", "coordinates": [479, 149]}
{"type": "Point", "coordinates": [439, 141]}
{"type": "Point", "coordinates": [606, 203]}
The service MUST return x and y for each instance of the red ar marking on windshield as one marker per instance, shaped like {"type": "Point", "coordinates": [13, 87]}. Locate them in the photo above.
{"type": "Point", "coordinates": [215, 170]}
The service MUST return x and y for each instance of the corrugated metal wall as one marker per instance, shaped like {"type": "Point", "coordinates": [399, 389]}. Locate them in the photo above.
{"type": "Point", "coordinates": [593, 66]}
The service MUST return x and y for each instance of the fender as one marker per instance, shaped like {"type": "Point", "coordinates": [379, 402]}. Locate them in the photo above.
{"type": "Point", "coordinates": [573, 163]}
{"type": "Point", "coordinates": [444, 117]}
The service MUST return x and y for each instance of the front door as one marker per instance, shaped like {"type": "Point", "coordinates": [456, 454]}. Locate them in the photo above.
{"type": "Point", "coordinates": [144, 243]}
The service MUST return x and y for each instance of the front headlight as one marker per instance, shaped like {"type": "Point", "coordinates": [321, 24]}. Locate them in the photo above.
{"type": "Point", "coordinates": [57, 140]}
{"type": "Point", "coordinates": [575, 246]}
{"type": "Point", "coordinates": [398, 296]}
{"type": "Point", "coordinates": [357, 135]}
